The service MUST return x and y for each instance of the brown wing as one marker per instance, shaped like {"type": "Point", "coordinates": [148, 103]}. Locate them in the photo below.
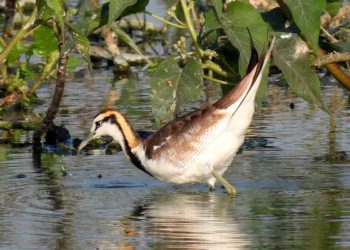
{"type": "Point", "coordinates": [180, 135]}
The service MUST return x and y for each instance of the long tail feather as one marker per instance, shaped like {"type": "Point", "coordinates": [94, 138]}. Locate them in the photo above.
{"type": "Point", "coordinates": [251, 79]}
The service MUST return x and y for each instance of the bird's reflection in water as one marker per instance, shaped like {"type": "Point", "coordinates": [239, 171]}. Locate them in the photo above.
{"type": "Point", "coordinates": [186, 220]}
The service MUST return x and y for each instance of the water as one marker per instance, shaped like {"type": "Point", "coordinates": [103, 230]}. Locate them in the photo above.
{"type": "Point", "coordinates": [293, 193]}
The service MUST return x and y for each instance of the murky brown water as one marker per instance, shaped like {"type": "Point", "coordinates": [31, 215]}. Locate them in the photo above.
{"type": "Point", "coordinates": [289, 195]}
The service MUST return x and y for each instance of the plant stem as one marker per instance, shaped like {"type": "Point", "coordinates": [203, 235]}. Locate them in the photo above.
{"type": "Point", "coordinates": [164, 20]}
{"type": "Point", "coordinates": [46, 71]}
{"type": "Point", "coordinates": [24, 31]}
{"type": "Point", "coordinates": [336, 71]}
{"type": "Point", "coordinates": [215, 68]}
{"type": "Point", "coordinates": [190, 27]}
{"type": "Point", "coordinates": [215, 80]}
{"type": "Point", "coordinates": [57, 96]}
{"type": "Point", "coordinates": [331, 58]}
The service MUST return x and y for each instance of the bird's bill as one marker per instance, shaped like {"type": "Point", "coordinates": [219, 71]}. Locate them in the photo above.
{"type": "Point", "coordinates": [85, 142]}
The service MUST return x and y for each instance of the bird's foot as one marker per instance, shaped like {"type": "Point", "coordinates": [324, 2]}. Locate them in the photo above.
{"type": "Point", "coordinates": [231, 190]}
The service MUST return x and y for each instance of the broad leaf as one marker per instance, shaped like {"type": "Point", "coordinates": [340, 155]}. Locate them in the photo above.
{"type": "Point", "coordinates": [116, 7]}
{"type": "Point", "coordinates": [73, 62]}
{"type": "Point", "coordinates": [190, 83]}
{"type": "Point", "coordinates": [44, 11]}
{"type": "Point", "coordinates": [15, 53]}
{"type": "Point", "coordinates": [44, 42]}
{"type": "Point", "coordinates": [292, 57]}
{"type": "Point", "coordinates": [306, 14]}
{"type": "Point", "coordinates": [123, 36]}
{"type": "Point", "coordinates": [263, 87]}
{"type": "Point", "coordinates": [332, 7]}
{"type": "Point", "coordinates": [120, 8]}
{"type": "Point", "coordinates": [56, 6]}
{"type": "Point", "coordinates": [172, 86]}
{"type": "Point", "coordinates": [82, 44]}
{"type": "Point", "coordinates": [242, 22]}
{"type": "Point", "coordinates": [90, 20]}
{"type": "Point", "coordinates": [211, 24]}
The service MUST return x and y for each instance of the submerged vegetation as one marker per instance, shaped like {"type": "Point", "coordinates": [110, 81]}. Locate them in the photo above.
{"type": "Point", "coordinates": [214, 41]}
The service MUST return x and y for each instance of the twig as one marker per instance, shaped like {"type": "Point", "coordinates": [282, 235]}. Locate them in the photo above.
{"type": "Point", "coordinates": [331, 58]}
{"type": "Point", "coordinates": [164, 20]}
{"type": "Point", "coordinates": [57, 96]}
{"type": "Point", "coordinates": [336, 71]}
{"type": "Point", "coordinates": [20, 34]}
{"type": "Point", "coordinates": [215, 80]}
{"type": "Point", "coordinates": [190, 27]}
{"type": "Point", "coordinates": [330, 37]}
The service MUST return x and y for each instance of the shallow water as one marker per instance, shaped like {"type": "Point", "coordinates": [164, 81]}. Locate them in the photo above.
{"type": "Point", "coordinates": [291, 193]}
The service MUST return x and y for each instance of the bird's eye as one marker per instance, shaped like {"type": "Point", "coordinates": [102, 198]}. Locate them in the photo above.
{"type": "Point", "coordinates": [98, 124]}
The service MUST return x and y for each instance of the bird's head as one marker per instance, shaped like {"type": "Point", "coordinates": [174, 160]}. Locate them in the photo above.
{"type": "Point", "coordinates": [114, 124]}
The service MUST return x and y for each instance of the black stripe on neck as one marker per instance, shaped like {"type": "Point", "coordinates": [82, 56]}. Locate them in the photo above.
{"type": "Point", "coordinates": [133, 158]}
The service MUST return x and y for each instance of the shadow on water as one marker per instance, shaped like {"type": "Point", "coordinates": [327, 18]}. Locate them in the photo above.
{"type": "Point", "coordinates": [186, 220]}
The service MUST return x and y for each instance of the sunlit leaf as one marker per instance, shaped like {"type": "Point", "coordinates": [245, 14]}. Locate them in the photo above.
{"type": "Point", "coordinates": [242, 22]}
{"type": "Point", "coordinates": [306, 14]}
{"type": "Point", "coordinates": [190, 82]}
{"type": "Point", "coordinates": [116, 8]}
{"type": "Point", "coordinates": [90, 20]}
{"type": "Point", "coordinates": [82, 44]}
{"type": "Point", "coordinates": [56, 5]}
{"type": "Point", "coordinates": [341, 46]}
{"type": "Point", "coordinates": [73, 62]}
{"type": "Point", "coordinates": [123, 36]}
{"type": "Point", "coordinates": [172, 86]}
{"type": "Point", "coordinates": [26, 72]}
{"type": "Point", "coordinates": [333, 6]}
{"type": "Point", "coordinates": [263, 87]}
{"type": "Point", "coordinates": [44, 42]}
{"type": "Point", "coordinates": [139, 6]}
{"type": "Point", "coordinates": [15, 53]}
{"type": "Point", "coordinates": [44, 11]}
{"type": "Point", "coordinates": [291, 55]}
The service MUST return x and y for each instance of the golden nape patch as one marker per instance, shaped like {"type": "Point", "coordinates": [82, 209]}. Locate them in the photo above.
{"type": "Point", "coordinates": [128, 132]}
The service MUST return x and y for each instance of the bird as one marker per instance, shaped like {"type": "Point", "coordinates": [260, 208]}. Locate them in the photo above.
{"type": "Point", "coordinates": [197, 147]}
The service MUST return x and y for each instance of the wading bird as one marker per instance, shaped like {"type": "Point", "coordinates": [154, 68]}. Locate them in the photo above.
{"type": "Point", "coordinates": [196, 147]}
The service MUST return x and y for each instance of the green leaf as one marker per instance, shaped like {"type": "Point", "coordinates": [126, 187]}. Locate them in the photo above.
{"type": "Point", "coordinates": [292, 57]}
{"type": "Point", "coordinates": [82, 44]}
{"type": "Point", "coordinates": [26, 72]}
{"type": "Point", "coordinates": [211, 21]}
{"type": "Point", "coordinates": [56, 6]}
{"type": "Point", "coordinates": [116, 7]}
{"type": "Point", "coordinates": [263, 87]}
{"type": "Point", "coordinates": [123, 36]}
{"type": "Point", "coordinates": [242, 22]}
{"type": "Point", "coordinates": [44, 42]}
{"type": "Point", "coordinates": [172, 86]}
{"type": "Point", "coordinates": [306, 14]}
{"type": "Point", "coordinates": [139, 6]}
{"type": "Point", "coordinates": [190, 83]}
{"type": "Point", "coordinates": [44, 11]}
{"type": "Point", "coordinates": [15, 53]}
{"type": "Point", "coordinates": [90, 20]}
{"type": "Point", "coordinates": [341, 46]}
{"type": "Point", "coordinates": [217, 4]}
{"type": "Point", "coordinates": [332, 7]}
{"type": "Point", "coordinates": [73, 62]}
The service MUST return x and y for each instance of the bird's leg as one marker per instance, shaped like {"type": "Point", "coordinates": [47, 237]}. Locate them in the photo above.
{"type": "Point", "coordinates": [231, 190]}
